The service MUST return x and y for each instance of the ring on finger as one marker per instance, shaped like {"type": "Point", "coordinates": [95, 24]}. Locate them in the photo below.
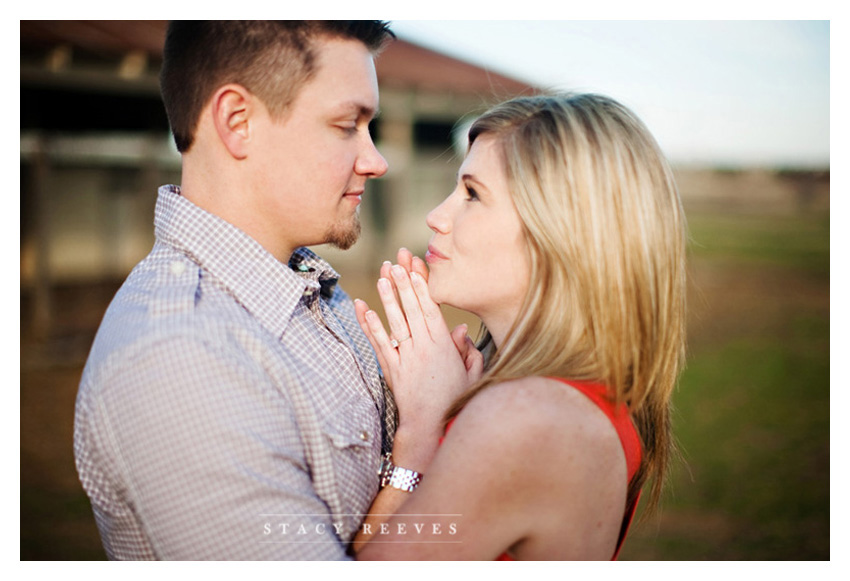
{"type": "Point", "coordinates": [396, 342]}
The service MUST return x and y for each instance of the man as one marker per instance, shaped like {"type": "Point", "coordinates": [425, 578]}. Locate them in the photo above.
{"type": "Point", "coordinates": [231, 407]}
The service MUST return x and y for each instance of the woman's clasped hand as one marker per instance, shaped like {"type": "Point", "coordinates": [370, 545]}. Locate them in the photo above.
{"type": "Point", "coordinates": [426, 365]}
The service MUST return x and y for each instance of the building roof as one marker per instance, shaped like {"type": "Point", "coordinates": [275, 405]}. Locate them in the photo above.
{"type": "Point", "coordinates": [107, 37]}
{"type": "Point", "coordinates": [409, 65]}
{"type": "Point", "coordinates": [63, 47]}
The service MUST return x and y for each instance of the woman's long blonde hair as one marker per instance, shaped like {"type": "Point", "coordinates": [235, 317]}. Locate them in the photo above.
{"type": "Point", "coordinates": [606, 236]}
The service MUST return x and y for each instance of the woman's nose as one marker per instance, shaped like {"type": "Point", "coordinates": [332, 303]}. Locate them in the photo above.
{"type": "Point", "coordinates": [438, 219]}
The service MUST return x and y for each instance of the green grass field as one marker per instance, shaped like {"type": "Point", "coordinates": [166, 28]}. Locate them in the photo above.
{"type": "Point", "coordinates": [752, 408]}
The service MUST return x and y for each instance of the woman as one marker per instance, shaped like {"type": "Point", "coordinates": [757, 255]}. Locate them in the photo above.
{"type": "Point", "coordinates": [565, 235]}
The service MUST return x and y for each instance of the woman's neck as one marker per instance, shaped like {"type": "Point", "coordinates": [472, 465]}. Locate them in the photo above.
{"type": "Point", "coordinates": [499, 324]}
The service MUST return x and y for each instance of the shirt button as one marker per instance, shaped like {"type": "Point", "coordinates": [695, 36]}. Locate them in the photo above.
{"type": "Point", "coordinates": [364, 435]}
{"type": "Point", "coordinates": [177, 268]}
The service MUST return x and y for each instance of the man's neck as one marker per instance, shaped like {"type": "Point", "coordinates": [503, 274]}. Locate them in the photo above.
{"type": "Point", "coordinates": [215, 189]}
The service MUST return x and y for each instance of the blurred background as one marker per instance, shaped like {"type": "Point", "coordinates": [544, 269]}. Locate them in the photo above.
{"type": "Point", "coordinates": [740, 108]}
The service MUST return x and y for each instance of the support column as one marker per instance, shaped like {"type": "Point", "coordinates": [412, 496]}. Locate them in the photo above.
{"type": "Point", "coordinates": [42, 302]}
{"type": "Point", "coordinates": [397, 146]}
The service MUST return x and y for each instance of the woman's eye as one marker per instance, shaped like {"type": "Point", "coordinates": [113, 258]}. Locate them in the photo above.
{"type": "Point", "coordinates": [472, 195]}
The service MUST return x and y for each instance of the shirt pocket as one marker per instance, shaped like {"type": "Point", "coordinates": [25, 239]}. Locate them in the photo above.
{"type": "Point", "coordinates": [353, 431]}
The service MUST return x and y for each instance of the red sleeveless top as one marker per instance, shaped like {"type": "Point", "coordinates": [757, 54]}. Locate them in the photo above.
{"type": "Point", "coordinates": [619, 416]}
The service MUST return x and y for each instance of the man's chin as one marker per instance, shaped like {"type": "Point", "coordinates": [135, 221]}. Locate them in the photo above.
{"type": "Point", "coordinates": [345, 238]}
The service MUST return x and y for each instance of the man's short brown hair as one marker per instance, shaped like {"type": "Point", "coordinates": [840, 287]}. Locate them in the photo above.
{"type": "Point", "coordinates": [271, 58]}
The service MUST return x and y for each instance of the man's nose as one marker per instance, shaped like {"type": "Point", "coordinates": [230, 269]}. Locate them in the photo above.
{"type": "Point", "coordinates": [371, 163]}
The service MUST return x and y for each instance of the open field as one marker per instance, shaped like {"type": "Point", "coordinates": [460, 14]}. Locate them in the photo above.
{"type": "Point", "coordinates": [752, 410]}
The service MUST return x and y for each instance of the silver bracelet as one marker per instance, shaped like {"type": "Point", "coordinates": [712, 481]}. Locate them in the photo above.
{"type": "Point", "coordinates": [396, 476]}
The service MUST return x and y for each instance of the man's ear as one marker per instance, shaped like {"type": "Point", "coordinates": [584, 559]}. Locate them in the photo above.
{"type": "Point", "coordinates": [232, 111]}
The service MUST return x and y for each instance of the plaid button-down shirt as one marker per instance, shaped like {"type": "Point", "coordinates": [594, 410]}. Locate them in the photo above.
{"type": "Point", "coordinates": [231, 407]}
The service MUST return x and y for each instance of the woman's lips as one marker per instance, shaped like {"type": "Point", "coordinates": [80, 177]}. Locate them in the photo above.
{"type": "Point", "coordinates": [433, 255]}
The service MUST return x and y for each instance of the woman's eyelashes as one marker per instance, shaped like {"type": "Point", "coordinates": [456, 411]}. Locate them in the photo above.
{"type": "Point", "coordinates": [471, 194]}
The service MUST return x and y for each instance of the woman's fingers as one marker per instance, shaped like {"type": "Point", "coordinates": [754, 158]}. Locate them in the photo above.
{"type": "Point", "coordinates": [381, 341]}
{"type": "Point", "coordinates": [472, 357]}
{"type": "Point", "coordinates": [410, 303]}
{"type": "Point", "coordinates": [395, 317]}
{"type": "Point", "coordinates": [474, 361]}
{"type": "Point", "coordinates": [430, 310]}
{"type": "Point", "coordinates": [418, 265]}
{"type": "Point", "coordinates": [409, 310]}
{"type": "Point", "coordinates": [459, 339]}
{"type": "Point", "coordinates": [404, 258]}
{"type": "Point", "coordinates": [360, 310]}
{"type": "Point", "coordinates": [411, 263]}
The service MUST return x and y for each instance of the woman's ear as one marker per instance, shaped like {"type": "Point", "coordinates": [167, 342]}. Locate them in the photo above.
{"type": "Point", "coordinates": [232, 108]}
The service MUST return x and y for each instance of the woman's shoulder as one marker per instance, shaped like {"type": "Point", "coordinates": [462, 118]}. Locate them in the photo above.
{"type": "Point", "coordinates": [533, 399]}
{"type": "Point", "coordinates": [538, 411]}
{"type": "Point", "coordinates": [552, 460]}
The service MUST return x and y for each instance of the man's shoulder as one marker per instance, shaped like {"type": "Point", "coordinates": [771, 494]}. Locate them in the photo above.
{"type": "Point", "coordinates": [158, 296]}
{"type": "Point", "coordinates": [164, 304]}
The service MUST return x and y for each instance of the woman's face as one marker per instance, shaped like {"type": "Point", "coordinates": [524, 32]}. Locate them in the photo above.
{"type": "Point", "coordinates": [478, 254]}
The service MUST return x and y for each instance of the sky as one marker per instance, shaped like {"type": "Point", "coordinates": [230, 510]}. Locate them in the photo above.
{"type": "Point", "coordinates": [732, 93]}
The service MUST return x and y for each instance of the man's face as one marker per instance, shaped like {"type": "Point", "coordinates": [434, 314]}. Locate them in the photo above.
{"type": "Point", "coordinates": [312, 165]}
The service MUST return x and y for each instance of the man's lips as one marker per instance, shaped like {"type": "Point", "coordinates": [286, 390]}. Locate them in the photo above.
{"type": "Point", "coordinates": [433, 255]}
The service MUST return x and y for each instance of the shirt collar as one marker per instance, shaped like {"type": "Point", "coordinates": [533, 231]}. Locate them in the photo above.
{"type": "Point", "coordinates": [312, 267]}
{"type": "Point", "coordinates": [267, 288]}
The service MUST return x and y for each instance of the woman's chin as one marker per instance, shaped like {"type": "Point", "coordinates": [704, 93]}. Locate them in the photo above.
{"type": "Point", "coordinates": [449, 293]}
{"type": "Point", "coordinates": [442, 298]}
{"type": "Point", "coordinates": [437, 297]}
{"type": "Point", "coordinates": [436, 290]}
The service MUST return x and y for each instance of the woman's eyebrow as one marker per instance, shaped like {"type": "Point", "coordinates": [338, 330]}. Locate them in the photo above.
{"type": "Point", "coordinates": [470, 177]}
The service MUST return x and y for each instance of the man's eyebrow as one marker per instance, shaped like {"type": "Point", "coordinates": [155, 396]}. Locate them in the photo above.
{"type": "Point", "coordinates": [360, 109]}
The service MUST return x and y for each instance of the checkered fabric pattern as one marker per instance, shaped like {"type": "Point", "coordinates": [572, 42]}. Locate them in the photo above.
{"type": "Point", "coordinates": [231, 407]}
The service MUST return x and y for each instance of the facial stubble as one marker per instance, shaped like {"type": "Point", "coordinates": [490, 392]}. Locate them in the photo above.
{"type": "Point", "coordinates": [343, 236]}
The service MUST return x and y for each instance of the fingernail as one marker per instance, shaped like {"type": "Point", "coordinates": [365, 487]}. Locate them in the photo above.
{"type": "Point", "coordinates": [383, 284]}
{"type": "Point", "coordinates": [397, 271]}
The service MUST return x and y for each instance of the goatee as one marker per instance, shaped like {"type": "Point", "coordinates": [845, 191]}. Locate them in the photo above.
{"type": "Point", "coordinates": [344, 237]}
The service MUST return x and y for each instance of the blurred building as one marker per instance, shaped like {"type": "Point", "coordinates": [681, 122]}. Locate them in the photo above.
{"type": "Point", "coordinates": [95, 145]}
